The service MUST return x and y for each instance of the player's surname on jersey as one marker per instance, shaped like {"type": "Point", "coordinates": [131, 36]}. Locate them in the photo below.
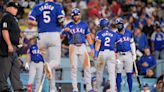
{"type": "Point", "coordinates": [107, 34]}
{"type": "Point", "coordinates": [46, 7]}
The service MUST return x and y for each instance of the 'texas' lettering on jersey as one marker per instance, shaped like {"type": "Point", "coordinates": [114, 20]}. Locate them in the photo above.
{"type": "Point", "coordinates": [123, 39]}
{"type": "Point", "coordinates": [77, 30]}
{"type": "Point", "coordinates": [46, 7]}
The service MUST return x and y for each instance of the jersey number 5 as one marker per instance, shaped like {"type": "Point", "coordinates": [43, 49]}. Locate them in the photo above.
{"type": "Point", "coordinates": [46, 16]}
{"type": "Point", "coordinates": [107, 41]}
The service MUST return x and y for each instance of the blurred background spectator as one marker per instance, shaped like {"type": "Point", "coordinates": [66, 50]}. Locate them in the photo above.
{"type": "Point", "coordinates": [145, 88]}
{"type": "Point", "coordinates": [1, 8]}
{"type": "Point", "coordinates": [148, 29]}
{"type": "Point", "coordinates": [140, 40]}
{"type": "Point", "coordinates": [157, 39]}
{"type": "Point", "coordinates": [159, 86]}
{"type": "Point", "coordinates": [23, 44]}
{"type": "Point", "coordinates": [149, 74]}
{"type": "Point", "coordinates": [30, 32]}
{"type": "Point", "coordinates": [146, 62]}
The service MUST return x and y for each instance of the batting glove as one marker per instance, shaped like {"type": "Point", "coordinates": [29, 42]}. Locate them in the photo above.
{"type": "Point", "coordinates": [27, 67]}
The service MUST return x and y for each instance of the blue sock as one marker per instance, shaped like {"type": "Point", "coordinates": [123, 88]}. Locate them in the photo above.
{"type": "Point", "coordinates": [130, 81]}
{"type": "Point", "coordinates": [118, 82]}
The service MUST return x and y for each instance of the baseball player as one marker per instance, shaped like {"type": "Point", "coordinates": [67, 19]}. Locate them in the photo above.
{"type": "Point", "coordinates": [48, 17]}
{"type": "Point", "coordinates": [104, 50]}
{"type": "Point", "coordinates": [77, 32]}
{"type": "Point", "coordinates": [126, 54]}
{"type": "Point", "coordinates": [36, 65]}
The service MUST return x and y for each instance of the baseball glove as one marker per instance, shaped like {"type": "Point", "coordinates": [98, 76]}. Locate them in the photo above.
{"type": "Point", "coordinates": [47, 70]}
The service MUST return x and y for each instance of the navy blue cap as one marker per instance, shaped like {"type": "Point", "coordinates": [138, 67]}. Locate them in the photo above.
{"type": "Point", "coordinates": [145, 85]}
{"type": "Point", "coordinates": [13, 4]}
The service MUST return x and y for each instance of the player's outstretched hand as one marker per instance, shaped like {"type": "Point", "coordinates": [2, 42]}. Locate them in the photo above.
{"type": "Point", "coordinates": [67, 29]}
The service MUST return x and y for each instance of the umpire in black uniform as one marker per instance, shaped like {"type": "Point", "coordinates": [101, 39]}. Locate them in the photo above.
{"type": "Point", "coordinates": [9, 39]}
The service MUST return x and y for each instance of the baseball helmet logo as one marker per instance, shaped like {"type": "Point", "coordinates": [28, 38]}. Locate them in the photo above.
{"type": "Point", "coordinates": [119, 21]}
{"type": "Point", "coordinates": [75, 11]}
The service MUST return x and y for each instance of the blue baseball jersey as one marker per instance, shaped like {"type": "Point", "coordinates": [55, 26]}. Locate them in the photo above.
{"type": "Point", "coordinates": [158, 40]}
{"type": "Point", "coordinates": [141, 41]}
{"type": "Point", "coordinates": [77, 33]}
{"type": "Point", "coordinates": [46, 14]}
{"type": "Point", "coordinates": [150, 59]}
{"type": "Point", "coordinates": [35, 54]}
{"type": "Point", "coordinates": [108, 39]}
{"type": "Point", "coordinates": [125, 39]}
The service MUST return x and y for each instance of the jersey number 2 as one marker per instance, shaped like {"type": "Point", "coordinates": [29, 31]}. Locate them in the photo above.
{"type": "Point", "coordinates": [107, 41]}
{"type": "Point", "coordinates": [46, 16]}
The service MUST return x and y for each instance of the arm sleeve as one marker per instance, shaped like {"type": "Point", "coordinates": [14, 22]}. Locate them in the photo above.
{"type": "Point", "coordinates": [33, 14]}
{"type": "Point", "coordinates": [132, 38]}
{"type": "Point", "coordinates": [60, 11]}
{"type": "Point", "coordinates": [5, 23]}
{"type": "Point", "coordinates": [97, 37]}
{"type": "Point", "coordinates": [132, 45]}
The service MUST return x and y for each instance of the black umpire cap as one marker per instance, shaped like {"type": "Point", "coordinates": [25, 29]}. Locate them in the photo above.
{"type": "Point", "coordinates": [13, 4]}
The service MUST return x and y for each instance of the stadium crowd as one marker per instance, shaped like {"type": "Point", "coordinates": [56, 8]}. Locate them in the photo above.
{"type": "Point", "coordinates": [144, 17]}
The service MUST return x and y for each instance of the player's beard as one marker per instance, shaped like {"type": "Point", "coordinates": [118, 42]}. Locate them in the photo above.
{"type": "Point", "coordinates": [120, 27]}
{"type": "Point", "coordinates": [76, 19]}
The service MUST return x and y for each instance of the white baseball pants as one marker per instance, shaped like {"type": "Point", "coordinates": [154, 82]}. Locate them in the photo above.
{"type": "Point", "coordinates": [125, 62]}
{"type": "Point", "coordinates": [79, 54]}
{"type": "Point", "coordinates": [49, 44]}
{"type": "Point", "coordinates": [35, 72]}
{"type": "Point", "coordinates": [106, 57]}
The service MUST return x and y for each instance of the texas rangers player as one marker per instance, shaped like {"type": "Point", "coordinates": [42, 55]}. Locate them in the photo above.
{"type": "Point", "coordinates": [36, 65]}
{"type": "Point", "coordinates": [105, 46]}
{"type": "Point", "coordinates": [77, 32]}
{"type": "Point", "coordinates": [48, 16]}
{"type": "Point", "coordinates": [126, 54]}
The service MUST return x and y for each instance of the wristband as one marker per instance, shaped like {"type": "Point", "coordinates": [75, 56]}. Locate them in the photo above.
{"type": "Point", "coordinates": [96, 53]}
{"type": "Point", "coordinates": [91, 46]}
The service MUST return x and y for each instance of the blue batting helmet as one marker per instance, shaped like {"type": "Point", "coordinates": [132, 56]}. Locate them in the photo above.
{"type": "Point", "coordinates": [75, 11]}
{"type": "Point", "coordinates": [104, 22]}
{"type": "Point", "coordinates": [119, 21]}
